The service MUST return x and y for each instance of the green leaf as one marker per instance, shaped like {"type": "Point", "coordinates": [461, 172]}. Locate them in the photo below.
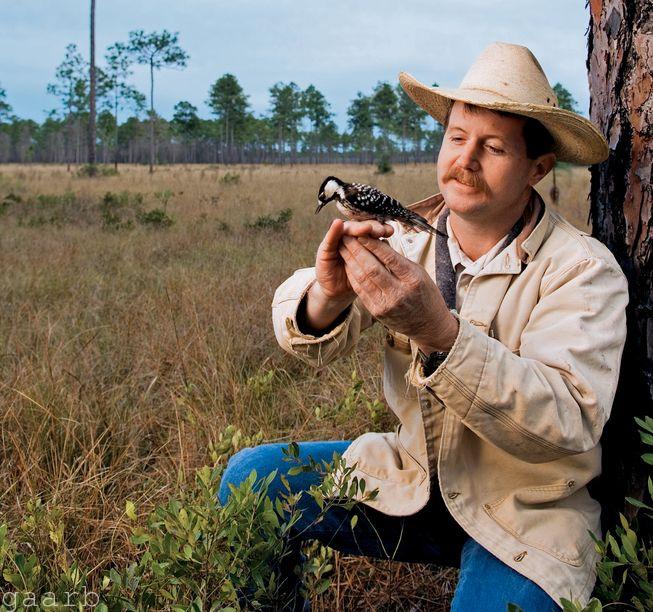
{"type": "Point", "coordinates": [648, 458]}
{"type": "Point", "coordinates": [130, 510]}
{"type": "Point", "coordinates": [628, 548]}
{"type": "Point", "coordinates": [140, 538]}
{"type": "Point", "coordinates": [646, 424]}
{"type": "Point", "coordinates": [614, 547]}
{"type": "Point", "coordinates": [638, 504]}
{"type": "Point", "coordinates": [353, 521]}
{"type": "Point", "coordinates": [594, 605]}
{"type": "Point", "coordinates": [115, 577]}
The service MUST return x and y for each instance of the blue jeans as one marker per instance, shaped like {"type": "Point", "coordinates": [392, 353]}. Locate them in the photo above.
{"type": "Point", "coordinates": [429, 536]}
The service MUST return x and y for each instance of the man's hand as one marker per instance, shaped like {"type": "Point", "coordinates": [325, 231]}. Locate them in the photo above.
{"type": "Point", "coordinates": [332, 293]}
{"type": "Point", "coordinates": [399, 293]}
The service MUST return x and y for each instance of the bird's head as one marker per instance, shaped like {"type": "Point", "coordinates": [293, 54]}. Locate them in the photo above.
{"type": "Point", "coordinates": [331, 188]}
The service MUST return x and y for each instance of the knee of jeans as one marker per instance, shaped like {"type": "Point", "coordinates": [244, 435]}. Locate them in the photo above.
{"type": "Point", "coordinates": [235, 472]}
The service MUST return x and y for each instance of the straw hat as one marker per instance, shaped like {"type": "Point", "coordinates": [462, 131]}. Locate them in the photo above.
{"type": "Point", "coordinates": [507, 77]}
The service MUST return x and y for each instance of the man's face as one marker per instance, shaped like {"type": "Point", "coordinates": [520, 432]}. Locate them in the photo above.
{"type": "Point", "coordinates": [483, 170]}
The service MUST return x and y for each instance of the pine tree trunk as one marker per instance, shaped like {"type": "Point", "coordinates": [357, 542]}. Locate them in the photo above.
{"type": "Point", "coordinates": [151, 117]}
{"type": "Point", "coordinates": [620, 56]}
{"type": "Point", "coordinates": [91, 115]}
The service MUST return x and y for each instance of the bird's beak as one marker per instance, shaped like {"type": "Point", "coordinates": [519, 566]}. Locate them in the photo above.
{"type": "Point", "coordinates": [320, 205]}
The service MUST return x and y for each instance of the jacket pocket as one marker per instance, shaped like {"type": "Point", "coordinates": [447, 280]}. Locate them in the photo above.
{"type": "Point", "coordinates": [552, 518]}
{"type": "Point", "coordinates": [377, 455]}
{"type": "Point", "coordinates": [408, 459]}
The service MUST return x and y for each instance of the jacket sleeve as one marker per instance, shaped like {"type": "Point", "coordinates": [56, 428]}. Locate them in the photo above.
{"type": "Point", "coordinates": [317, 351]}
{"type": "Point", "coordinates": [554, 397]}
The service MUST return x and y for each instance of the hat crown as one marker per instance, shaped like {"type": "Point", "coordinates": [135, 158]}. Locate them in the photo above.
{"type": "Point", "coordinates": [511, 72]}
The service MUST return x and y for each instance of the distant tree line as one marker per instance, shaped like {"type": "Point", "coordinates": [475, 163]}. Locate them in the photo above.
{"type": "Point", "coordinates": [299, 126]}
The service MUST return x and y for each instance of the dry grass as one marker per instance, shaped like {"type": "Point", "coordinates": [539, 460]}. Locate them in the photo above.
{"type": "Point", "coordinates": [125, 352]}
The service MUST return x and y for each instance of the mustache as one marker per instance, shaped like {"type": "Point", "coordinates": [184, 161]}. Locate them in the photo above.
{"type": "Point", "coordinates": [466, 178]}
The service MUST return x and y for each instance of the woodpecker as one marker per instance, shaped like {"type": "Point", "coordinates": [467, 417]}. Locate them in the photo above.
{"type": "Point", "coordinates": [360, 202]}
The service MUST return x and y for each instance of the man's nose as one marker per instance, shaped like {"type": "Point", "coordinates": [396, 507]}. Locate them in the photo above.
{"type": "Point", "coordinates": [468, 157]}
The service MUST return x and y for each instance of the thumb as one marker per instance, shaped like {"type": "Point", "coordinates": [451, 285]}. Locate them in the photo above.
{"type": "Point", "coordinates": [333, 236]}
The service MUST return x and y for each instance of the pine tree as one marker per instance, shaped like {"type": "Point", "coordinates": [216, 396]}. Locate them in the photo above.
{"type": "Point", "coordinates": [156, 50]}
{"type": "Point", "coordinates": [5, 108]}
{"type": "Point", "coordinates": [361, 123]}
{"type": "Point", "coordinates": [286, 115]}
{"type": "Point", "coordinates": [384, 112]}
{"type": "Point", "coordinates": [119, 94]}
{"type": "Point", "coordinates": [229, 104]}
{"type": "Point", "coordinates": [316, 110]}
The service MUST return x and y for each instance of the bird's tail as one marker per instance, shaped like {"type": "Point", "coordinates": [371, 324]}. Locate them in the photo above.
{"type": "Point", "coordinates": [412, 219]}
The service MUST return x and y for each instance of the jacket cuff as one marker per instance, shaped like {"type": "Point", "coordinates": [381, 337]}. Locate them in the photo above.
{"type": "Point", "coordinates": [298, 337]}
{"type": "Point", "coordinates": [320, 350]}
{"type": "Point", "coordinates": [457, 379]}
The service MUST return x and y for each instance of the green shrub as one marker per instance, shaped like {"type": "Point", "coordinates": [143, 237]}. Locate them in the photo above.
{"type": "Point", "coordinates": [192, 553]}
{"type": "Point", "coordinates": [91, 170]}
{"type": "Point", "coordinates": [163, 197]}
{"type": "Point", "coordinates": [53, 209]}
{"type": "Point", "coordinates": [383, 165]}
{"type": "Point", "coordinates": [36, 571]}
{"type": "Point", "coordinates": [157, 217]}
{"type": "Point", "coordinates": [276, 222]}
{"type": "Point", "coordinates": [119, 210]}
{"type": "Point", "coordinates": [230, 178]}
{"type": "Point", "coordinates": [9, 200]}
{"type": "Point", "coordinates": [625, 572]}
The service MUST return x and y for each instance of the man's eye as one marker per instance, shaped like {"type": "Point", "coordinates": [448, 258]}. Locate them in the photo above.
{"type": "Point", "coordinates": [456, 139]}
{"type": "Point", "coordinates": [495, 150]}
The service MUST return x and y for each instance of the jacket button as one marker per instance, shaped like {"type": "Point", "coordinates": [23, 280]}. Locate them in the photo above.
{"type": "Point", "coordinates": [520, 557]}
{"type": "Point", "coordinates": [571, 483]}
{"type": "Point", "coordinates": [389, 338]}
{"type": "Point", "coordinates": [453, 494]}
{"type": "Point", "coordinates": [487, 506]}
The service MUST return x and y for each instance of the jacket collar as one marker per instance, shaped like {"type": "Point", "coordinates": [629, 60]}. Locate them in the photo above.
{"type": "Point", "coordinates": [520, 251]}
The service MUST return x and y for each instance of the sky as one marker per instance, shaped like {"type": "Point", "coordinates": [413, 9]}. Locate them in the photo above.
{"type": "Point", "coordinates": [339, 46]}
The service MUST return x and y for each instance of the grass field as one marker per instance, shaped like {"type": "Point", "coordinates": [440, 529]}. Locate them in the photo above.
{"type": "Point", "coordinates": [128, 345]}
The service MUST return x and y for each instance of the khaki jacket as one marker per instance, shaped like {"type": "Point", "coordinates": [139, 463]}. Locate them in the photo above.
{"type": "Point", "coordinates": [507, 429]}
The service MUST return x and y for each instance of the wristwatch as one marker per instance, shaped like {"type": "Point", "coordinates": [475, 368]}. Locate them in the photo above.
{"type": "Point", "coordinates": [431, 362]}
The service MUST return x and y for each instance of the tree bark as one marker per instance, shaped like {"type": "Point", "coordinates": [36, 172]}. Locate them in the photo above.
{"type": "Point", "coordinates": [620, 56]}
{"type": "Point", "coordinates": [91, 115]}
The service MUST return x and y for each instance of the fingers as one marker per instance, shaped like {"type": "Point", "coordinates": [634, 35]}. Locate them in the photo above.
{"type": "Point", "coordinates": [396, 263]}
{"type": "Point", "coordinates": [331, 240]}
{"type": "Point", "coordinates": [362, 266]}
{"type": "Point", "coordinates": [371, 227]}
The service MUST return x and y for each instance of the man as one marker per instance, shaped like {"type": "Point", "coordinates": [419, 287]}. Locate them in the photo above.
{"type": "Point", "coordinates": [505, 334]}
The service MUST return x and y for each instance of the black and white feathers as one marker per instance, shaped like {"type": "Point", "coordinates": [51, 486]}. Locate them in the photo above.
{"type": "Point", "coordinates": [360, 202]}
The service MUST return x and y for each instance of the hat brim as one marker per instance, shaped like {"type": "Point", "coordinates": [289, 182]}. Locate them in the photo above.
{"type": "Point", "coordinates": [577, 140]}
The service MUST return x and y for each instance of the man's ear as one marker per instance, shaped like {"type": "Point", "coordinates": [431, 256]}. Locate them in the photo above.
{"type": "Point", "coordinates": [542, 166]}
